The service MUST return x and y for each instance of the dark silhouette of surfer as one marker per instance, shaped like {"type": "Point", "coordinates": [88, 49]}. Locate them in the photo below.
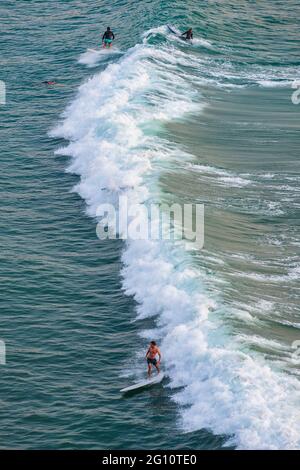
{"type": "Point", "coordinates": [188, 34]}
{"type": "Point", "coordinates": [108, 38]}
{"type": "Point", "coordinates": [52, 82]}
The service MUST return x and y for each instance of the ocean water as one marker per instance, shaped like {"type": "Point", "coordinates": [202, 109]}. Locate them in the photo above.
{"type": "Point", "coordinates": [157, 119]}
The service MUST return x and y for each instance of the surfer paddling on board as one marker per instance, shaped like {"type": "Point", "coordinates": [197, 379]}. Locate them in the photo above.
{"type": "Point", "coordinates": [151, 354]}
{"type": "Point", "coordinates": [108, 37]}
{"type": "Point", "coordinates": [52, 82]}
{"type": "Point", "coordinates": [188, 34]}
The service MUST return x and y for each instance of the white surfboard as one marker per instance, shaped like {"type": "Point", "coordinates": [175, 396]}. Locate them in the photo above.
{"type": "Point", "coordinates": [103, 50]}
{"type": "Point", "coordinates": [95, 50]}
{"type": "Point", "coordinates": [144, 383]}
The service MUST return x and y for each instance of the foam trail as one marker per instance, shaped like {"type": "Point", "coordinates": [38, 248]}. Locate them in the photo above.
{"type": "Point", "coordinates": [227, 389]}
{"type": "Point", "coordinates": [92, 57]}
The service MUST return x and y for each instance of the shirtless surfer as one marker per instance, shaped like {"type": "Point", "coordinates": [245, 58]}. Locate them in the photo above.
{"type": "Point", "coordinates": [151, 354]}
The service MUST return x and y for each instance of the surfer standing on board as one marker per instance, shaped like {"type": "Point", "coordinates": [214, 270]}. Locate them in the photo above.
{"type": "Point", "coordinates": [108, 37]}
{"type": "Point", "coordinates": [188, 34]}
{"type": "Point", "coordinates": [151, 354]}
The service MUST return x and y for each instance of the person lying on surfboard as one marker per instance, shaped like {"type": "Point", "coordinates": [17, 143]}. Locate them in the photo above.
{"type": "Point", "coordinates": [188, 34]}
{"type": "Point", "coordinates": [108, 37]}
{"type": "Point", "coordinates": [151, 354]}
{"type": "Point", "coordinates": [52, 82]}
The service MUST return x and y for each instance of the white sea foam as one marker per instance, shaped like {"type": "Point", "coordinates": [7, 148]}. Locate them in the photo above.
{"type": "Point", "coordinates": [243, 315]}
{"type": "Point", "coordinates": [228, 391]}
{"type": "Point", "coordinates": [292, 275]}
{"type": "Point", "coordinates": [234, 181]}
{"type": "Point", "coordinates": [92, 57]}
{"type": "Point", "coordinates": [210, 170]}
{"type": "Point", "coordinates": [225, 177]}
{"type": "Point", "coordinates": [275, 83]}
{"type": "Point", "coordinates": [267, 344]}
{"type": "Point", "coordinates": [265, 305]}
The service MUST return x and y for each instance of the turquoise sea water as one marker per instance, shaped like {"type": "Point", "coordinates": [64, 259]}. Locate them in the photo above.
{"type": "Point", "coordinates": [213, 123]}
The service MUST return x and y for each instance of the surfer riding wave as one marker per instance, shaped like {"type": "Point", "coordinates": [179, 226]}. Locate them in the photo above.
{"type": "Point", "coordinates": [108, 37]}
{"type": "Point", "coordinates": [188, 34]}
{"type": "Point", "coordinates": [152, 353]}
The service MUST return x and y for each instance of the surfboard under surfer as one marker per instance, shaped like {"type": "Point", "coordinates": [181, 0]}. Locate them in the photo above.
{"type": "Point", "coordinates": [108, 38]}
{"type": "Point", "coordinates": [152, 353]}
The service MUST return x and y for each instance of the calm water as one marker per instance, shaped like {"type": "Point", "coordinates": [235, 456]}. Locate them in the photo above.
{"type": "Point", "coordinates": [154, 119]}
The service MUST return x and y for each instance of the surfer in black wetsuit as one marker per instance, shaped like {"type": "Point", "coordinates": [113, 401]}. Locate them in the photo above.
{"type": "Point", "coordinates": [188, 34]}
{"type": "Point", "coordinates": [108, 37]}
